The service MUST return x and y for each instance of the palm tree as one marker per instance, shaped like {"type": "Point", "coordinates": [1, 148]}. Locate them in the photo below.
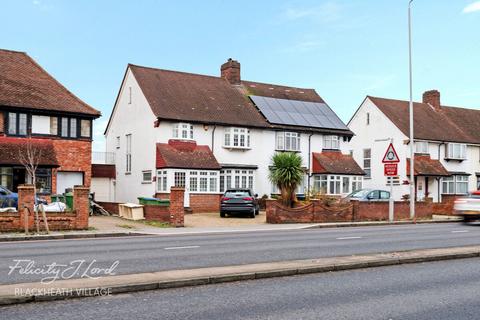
{"type": "Point", "coordinates": [286, 173]}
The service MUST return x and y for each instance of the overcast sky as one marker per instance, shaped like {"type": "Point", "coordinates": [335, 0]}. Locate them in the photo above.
{"type": "Point", "coordinates": [344, 49]}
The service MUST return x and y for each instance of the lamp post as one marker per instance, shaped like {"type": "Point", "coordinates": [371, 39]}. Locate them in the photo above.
{"type": "Point", "coordinates": [412, 160]}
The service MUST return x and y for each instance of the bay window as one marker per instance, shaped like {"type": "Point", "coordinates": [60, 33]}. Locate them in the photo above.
{"type": "Point", "coordinates": [336, 184]}
{"type": "Point", "coordinates": [236, 178]}
{"type": "Point", "coordinates": [320, 184]}
{"type": "Point", "coordinates": [457, 184]}
{"type": "Point", "coordinates": [162, 180]}
{"type": "Point", "coordinates": [288, 141]}
{"type": "Point", "coordinates": [331, 142]}
{"type": "Point", "coordinates": [456, 151]}
{"type": "Point", "coordinates": [183, 131]}
{"type": "Point", "coordinates": [237, 138]}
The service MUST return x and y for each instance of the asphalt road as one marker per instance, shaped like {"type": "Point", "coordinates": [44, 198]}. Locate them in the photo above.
{"type": "Point", "coordinates": [155, 253]}
{"type": "Point", "coordinates": [436, 290]}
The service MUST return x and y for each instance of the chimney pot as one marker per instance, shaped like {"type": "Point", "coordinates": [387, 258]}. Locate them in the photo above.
{"type": "Point", "coordinates": [230, 71]}
{"type": "Point", "coordinates": [432, 97]}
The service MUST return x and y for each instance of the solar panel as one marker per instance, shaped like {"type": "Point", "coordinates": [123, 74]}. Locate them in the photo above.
{"type": "Point", "coordinates": [298, 113]}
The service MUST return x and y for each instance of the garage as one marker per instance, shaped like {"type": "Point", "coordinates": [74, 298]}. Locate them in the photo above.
{"type": "Point", "coordinates": [68, 179]}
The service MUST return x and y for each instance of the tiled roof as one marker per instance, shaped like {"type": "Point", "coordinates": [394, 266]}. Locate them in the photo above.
{"type": "Point", "coordinates": [11, 148]}
{"type": "Point", "coordinates": [426, 166]}
{"type": "Point", "coordinates": [335, 162]}
{"type": "Point", "coordinates": [442, 124]}
{"type": "Point", "coordinates": [181, 96]}
{"type": "Point", "coordinates": [103, 171]}
{"type": "Point", "coordinates": [185, 155]}
{"type": "Point", "coordinates": [24, 84]}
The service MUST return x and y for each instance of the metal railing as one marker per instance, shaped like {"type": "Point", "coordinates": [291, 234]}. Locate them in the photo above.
{"type": "Point", "coordinates": [103, 157]}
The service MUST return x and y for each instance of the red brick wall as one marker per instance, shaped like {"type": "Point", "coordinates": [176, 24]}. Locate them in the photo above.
{"type": "Point", "coordinates": [202, 202]}
{"type": "Point", "coordinates": [111, 207]}
{"type": "Point", "coordinates": [378, 211]}
{"type": "Point", "coordinates": [157, 213]}
{"type": "Point", "coordinates": [446, 206]}
{"type": "Point", "coordinates": [73, 155]}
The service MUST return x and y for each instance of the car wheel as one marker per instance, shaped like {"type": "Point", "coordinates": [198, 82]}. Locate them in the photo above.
{"type": "Point", "coordinates": [222, 214]}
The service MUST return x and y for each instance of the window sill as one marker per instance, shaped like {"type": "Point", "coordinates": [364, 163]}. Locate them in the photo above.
{"type": "Point", "coordinates": [283, 150]}
{"type": "Point", "coordinates": [128, 173]}
{"type": "Point", "coordinates": [454, 159]}
{"type": "Point", "coordinates": [236, 148]}
{"type": "Point", "coordinates": [146, 182]}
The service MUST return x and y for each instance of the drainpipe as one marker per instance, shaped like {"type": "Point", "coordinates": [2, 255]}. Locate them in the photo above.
{"type": "Point", "coordinates": [309, 163]}
{"type": "Point", "coordinates": [213, 137]}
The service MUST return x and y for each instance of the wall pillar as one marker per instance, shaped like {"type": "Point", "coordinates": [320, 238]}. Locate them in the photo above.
{"type": "Point", "coordinates": [177, 211]}
{"type": "Point", "coordinates": [26, 199]}
{"type": "Point", "coordinates": [81, 204]}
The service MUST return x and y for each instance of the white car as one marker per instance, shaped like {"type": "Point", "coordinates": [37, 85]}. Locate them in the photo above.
{"type": "Point", "coordinates": [468, 207]}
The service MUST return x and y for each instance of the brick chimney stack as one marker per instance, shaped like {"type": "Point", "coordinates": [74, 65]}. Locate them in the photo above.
{"type": "Point", "coordinates": [230, 71]}
{"type": "Point", "coordinates": [432, 97]}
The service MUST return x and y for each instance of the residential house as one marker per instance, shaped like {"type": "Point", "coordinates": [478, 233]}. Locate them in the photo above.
{"type": "Point", "coordinates": [37, 112]}
{"type": "Point", "coordinates": [447, 145]}
{"type": "Point", "coordinates": [210, 133]}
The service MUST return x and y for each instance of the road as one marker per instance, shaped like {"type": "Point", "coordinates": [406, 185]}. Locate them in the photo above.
{"type": "Point", "coordinates": [155, 253]}
{"type": "Point", "coordinates": [436, 290]}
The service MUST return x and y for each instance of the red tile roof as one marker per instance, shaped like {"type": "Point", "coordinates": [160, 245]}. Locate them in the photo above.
{"type": "Point", "coordinates": [335, 162]}
{"type": "Point", "coordinates": [24, 84]}
{"type": "Point", "coordinates": [103, 171]}
{"type": "Point", "coordinates": [11, 148]}
{"type": "Point", "coordinates": [174, 95]}
{"type": "Point", "coordinates": [441, 124]}
{"type": "Point", "coordinates": [185, 155]}
{"type": "Point", "coordinates": [426, 166]}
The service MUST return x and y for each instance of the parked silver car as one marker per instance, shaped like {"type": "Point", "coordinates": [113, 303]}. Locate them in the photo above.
{"type": "Point", "coordinates": [368, 195]}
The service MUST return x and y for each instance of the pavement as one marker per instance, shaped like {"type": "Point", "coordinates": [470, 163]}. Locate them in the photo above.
{"type": "Point", "coordinates": [426, 291]}
{"type": "Point", "coordinates": [115, 284]}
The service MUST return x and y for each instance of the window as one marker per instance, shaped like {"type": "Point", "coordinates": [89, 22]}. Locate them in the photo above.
{"type": "Point", "coordinates": [73, 128]}
{"type": "Point", "coordinates": [128, 154]}
{"type": "Point", "coordinates": [147, 176]}
{"type": "Point", "coordinates": [42, 125]}
{"type": "Point", "coordinates": [334, 187]}
{"type": "Point", "coordinates": [213, 182]}
{"type": "Point", "coordinates": [17, 123]}
{"type": "Point", "coordinates": [384, 195]}
{"type": "Point", "coordinates": [237, 138]}
{"type": "Point", "coordinates": [367, 162]}
{"type": "Point", "coordinates": [183, 131]}
{"type": "Point", "coordinates": [6, 177]}
{"type": "Point", "coordinates": [345, 184]}
{"type": "Point", "coordinates": [356, 183]}
{"type": "Point", "coordinates": [161, 180]}
{"type": "Point", "coordinates": [85, 128]}
{"type": "Point", "coordinates": [117, 142]}
{"type": "Point", "coordinates": [193, 181]}
{"type": "Point", "coordinates": [239, 178]}
{"type": "Point", "coordinates": [129, 95]}
{"type": "Point", "coordinates": [320, 184]}
{"type": "Point", "coordinates": [368, 118]}
{"type": "Point", "coordinates": [64, 125]}
{"type": "Point", "coordinates": [394, 181]}
{"type": "Point", "coordinates": [455, 185]}
{"type": "Point", "coordinates": [179, 179]}
{"type": "Point", "coordinates": [456, 151]}
{"type": "Point", "coordinates": [331, 142]}
{"type": "Point", "coordinates": [43, 178]}
{"type": "Point", "coordinates": [288, 141]}
{"type": "Point", "coordinates": [421, 147]}
{"type": "Point", "coordinates": [54, 125]}
{"type": "Point", "coordinates": [203, 182]}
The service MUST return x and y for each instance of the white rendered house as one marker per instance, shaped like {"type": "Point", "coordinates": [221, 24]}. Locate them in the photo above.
{"type": "Point", "coordinates": [208, 133]}
{"type": "Point", "coordinates": [447, 145]}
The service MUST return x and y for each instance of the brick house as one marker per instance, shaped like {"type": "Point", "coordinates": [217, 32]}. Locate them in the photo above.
{"type": "Point", "coordinates": [36, 110]}
{"type": "Point", "coordinates": [208, 133]}
{"type": "Point", "coordinates": [447, 145]}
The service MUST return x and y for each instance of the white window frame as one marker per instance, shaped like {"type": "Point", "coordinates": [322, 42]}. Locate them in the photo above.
{"type": "Point", "coordinates": [331, 142]}
{"type": "Point", "coordinates": [229, 177]}
{"type": "Point", "coordinates": [287, 141]}
{"type": "Point", "coordinates": [128, 153]}
{"type": "Point", "coordinates": [162, 180]}
{"type": "Point", "coordinates": [145, 178]}
{"type": "Point", "coordinates": [357, 183]}
{"type": "Point", "coordinates": [457, 151]}
{"type": "Point", "coordinates": [421, 147]}
{"type": "Point", "coordinates": [454, 184]}
{"type": "Point", "coordinates": [183, 131]}
{"type": "Point", "coordinates": [334, 184]}
{"type": "Point", "coordinates": [367, 168]}
{"type": "Point", "coordinates": [236, 138]}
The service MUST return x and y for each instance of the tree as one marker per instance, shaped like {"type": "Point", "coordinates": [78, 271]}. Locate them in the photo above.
{"type": "Point", "coordinates": [30, 158]}
{"type": "Point", "coordinates": [287, 174]}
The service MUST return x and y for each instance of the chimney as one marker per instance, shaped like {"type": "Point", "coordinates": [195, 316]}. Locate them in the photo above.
{"type": "Point", "coordinates": [432, 97]}
{"type": "Point", "coordinates": [230, 71]}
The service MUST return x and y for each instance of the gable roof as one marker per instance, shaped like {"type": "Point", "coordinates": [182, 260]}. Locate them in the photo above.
{"type": "Point", "coordinates": [182, 96]}
{"type": "Point", "coordinates": [442, 124]}
{"type": "Point", "coordinates": [24, 84]}
{"type": "Point", "coordinates": [335, 162]}
{"type": "Point", "coordinates": [185, 155]}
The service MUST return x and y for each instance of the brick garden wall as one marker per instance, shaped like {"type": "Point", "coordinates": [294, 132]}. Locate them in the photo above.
{"type": "Point", "coordinates": [205, 202]}
{"type": "Point", "coordinates": [111, 207]}
{"type": "Point", "coordinates": [75, 220]}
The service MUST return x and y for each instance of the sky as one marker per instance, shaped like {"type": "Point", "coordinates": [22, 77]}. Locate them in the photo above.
{"type": "Point", "coordinates": [345, 49]}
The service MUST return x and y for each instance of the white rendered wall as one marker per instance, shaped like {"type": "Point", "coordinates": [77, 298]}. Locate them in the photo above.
{"type": "Point", "coordinates": [104, 189]}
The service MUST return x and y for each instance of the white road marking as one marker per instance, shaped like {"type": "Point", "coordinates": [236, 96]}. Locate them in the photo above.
{"type": "Point", "coordinates": [186, 247]}
{"type": "Point", "coordinates": [348, 238]}
{"type": "Point", "coordinates": [459, 231]}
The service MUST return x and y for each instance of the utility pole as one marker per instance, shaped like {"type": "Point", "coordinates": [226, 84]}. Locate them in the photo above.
{"type": "Point", "coordinates": [412, 160]}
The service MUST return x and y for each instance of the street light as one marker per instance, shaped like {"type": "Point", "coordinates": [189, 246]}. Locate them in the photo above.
{"type": "Point", "coordinates": [410, 107]}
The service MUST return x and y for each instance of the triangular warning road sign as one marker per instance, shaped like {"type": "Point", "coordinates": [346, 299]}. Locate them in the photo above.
{"type": "Point", "coordinates": [391, 155]}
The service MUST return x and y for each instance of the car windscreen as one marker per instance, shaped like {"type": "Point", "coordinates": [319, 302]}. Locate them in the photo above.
{"type": "Point", "coordinates": [359, 194]}
{"type": "Point", "coordinates": [237, 194]}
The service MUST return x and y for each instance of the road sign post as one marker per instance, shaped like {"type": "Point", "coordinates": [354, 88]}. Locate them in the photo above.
{"type": "Point", "coordinates": [390, 169]}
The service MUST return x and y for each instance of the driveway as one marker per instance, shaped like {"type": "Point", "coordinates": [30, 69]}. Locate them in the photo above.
{"type": "Point", "coordinates": [200, 220]}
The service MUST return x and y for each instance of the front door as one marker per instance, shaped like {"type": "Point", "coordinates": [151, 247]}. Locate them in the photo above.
{"type": "Point", "coordinates": [18, 178]}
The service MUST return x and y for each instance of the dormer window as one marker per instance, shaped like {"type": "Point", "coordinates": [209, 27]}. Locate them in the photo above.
{"type": "Point", "coordinates": [456, 151]}
{"type": "Point", "coordinates": [237, 138]}
{"type": "Point", "coordinates": [421, 147]}
{"type": "Point", "coordinates": [331, 142]}
{"type": "Point", "coordinates": [183, 131]}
